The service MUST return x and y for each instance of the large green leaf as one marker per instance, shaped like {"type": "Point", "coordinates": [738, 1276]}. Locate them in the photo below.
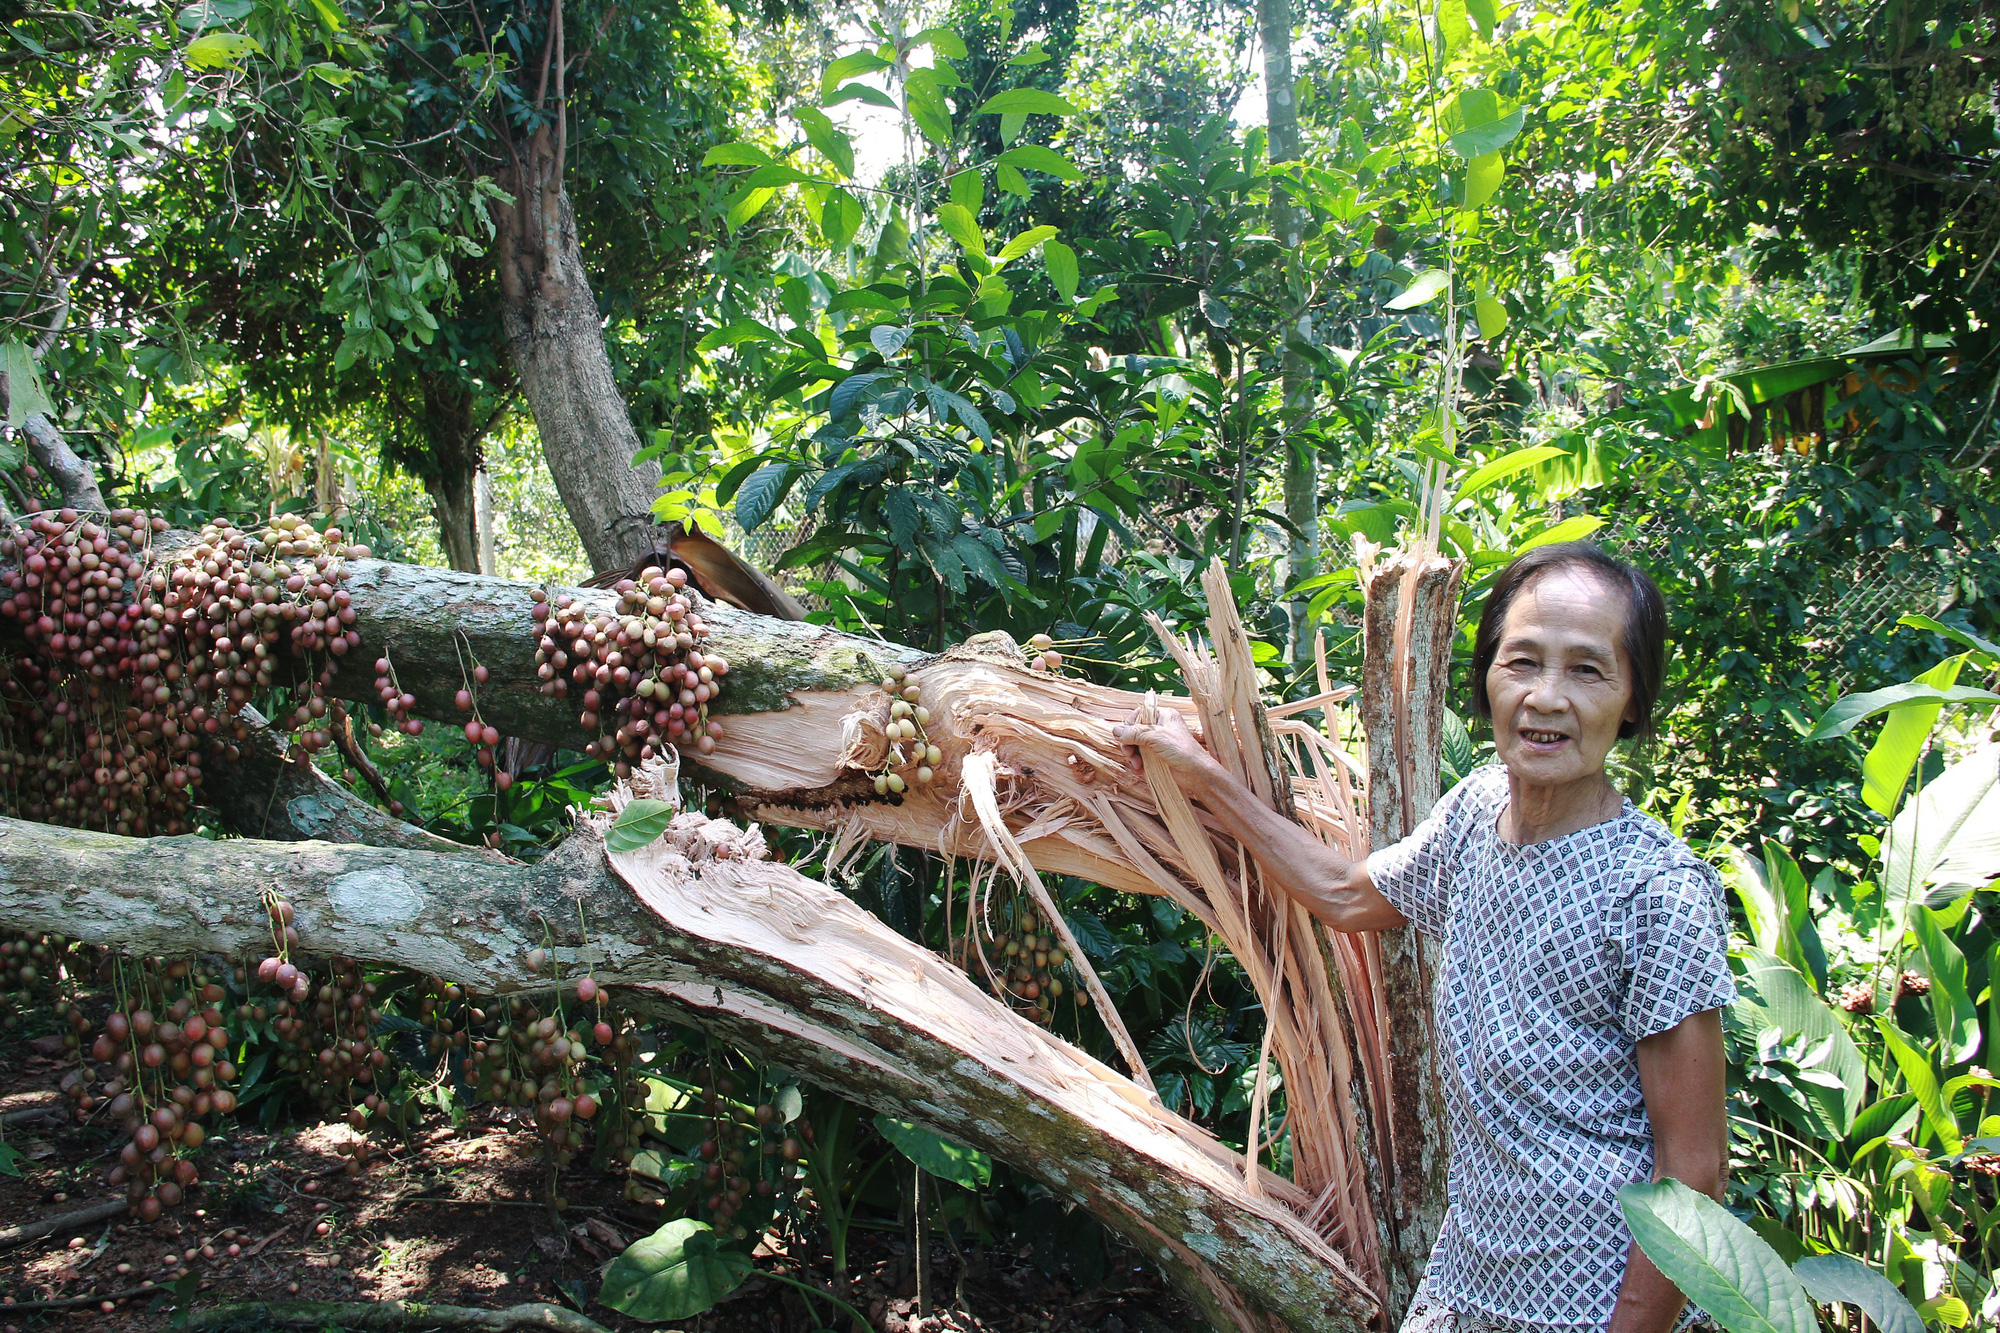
{"type": "Point", "coordinates": [1986, 648]}
{"type": "Point", "coordinates": [1952, 1010]}
{"type": "Point", "coordinates": [1487, 127]}
{"type": "Point", "coordinates": [938, 1155]}
{"type": "Point", "coordinates": [1423, 289]}
{"type": "Point", "coordinates": [675, 1273]}
{"type": "Point", "coordinates": [1948, 833]}
{"type": "Point", "coordinates": [1916, 1069]}
{"type": "Point", "coordinates": [1831, 1278]}
{"type": "Point", "coordinates": [1569, 530]}
{"type": "Point", "coordinates": [25, 393]}
{"type": "Point", "coordinates": [831, 142]}
{"type": "Point", "coordinates": [761, 494]}
{"type": "Point", "coordinates": [1512, 464]}
{"type": "Point", "coordinates": [959, 224]}
{"type": "Point", "coordinates": [1716, 1261]}
{"type": "Point", "coordinates": [1482, 177]}
{"type": "Point", "coordinates": [1059, 262]}
{"type": "Point", "coordinates": [1025, 242]}
{"type": "Point", "coordinates": [219, 50]}
{"type": "Point", "coordinates": [1036, 157]}
{"type": "Point", "coordinates": [847, 67]}
{"type": "Point", "coordinates": [1026, 102]}
{"type": "Point", "coordinates": [638, 824]}
{"type": "Point", "coordinates": [1855, 709]}
{"type": "Point", "coordinates": [1772, 991]}
{"type": "Point", "coordinates": [1798, 938]}
{"type": "Point", "coordinates": [1887, 766]}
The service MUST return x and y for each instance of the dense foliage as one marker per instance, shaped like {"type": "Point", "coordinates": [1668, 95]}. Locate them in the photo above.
{"type": "Point", "coordinates": [975, 318]}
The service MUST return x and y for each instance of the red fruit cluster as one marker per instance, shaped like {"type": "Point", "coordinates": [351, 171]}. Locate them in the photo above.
{"type": "Point", "coordinates": [643, 667]}
{"type": "Point", "coordinates": [164, 1070]}
{"type": "Point", "coordinates": [751, 1155]}
{"type": "Point", "coordinates": [139, 668]}
{"type": "Point", "coordinates": [397, 702]}
{"type": "Point", "coordinates": [550, 1066]}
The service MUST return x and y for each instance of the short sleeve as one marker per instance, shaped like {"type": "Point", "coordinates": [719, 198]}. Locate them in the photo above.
{"type": "Point", "coordinates": [1675, 938]}
{"type": "Point", "coordinates": [1415, 874]}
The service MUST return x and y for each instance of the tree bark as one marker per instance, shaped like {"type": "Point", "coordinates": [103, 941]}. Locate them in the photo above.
{"type": "Point", "coordinates": [555, 336]}
{"type": "Point", "coordinates": [697, 927]}
{"type": "Point", "coordinates": [1301, 482]}
{"type": "Point", "coordinates": [1402, 710]}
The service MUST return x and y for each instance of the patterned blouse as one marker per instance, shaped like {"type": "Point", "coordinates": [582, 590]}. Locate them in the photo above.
{"type": "Point", "coordinates": [1558, 957]}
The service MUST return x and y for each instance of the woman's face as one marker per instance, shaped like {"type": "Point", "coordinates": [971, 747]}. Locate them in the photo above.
{"type": "Point", "coordinates": [1561, 683]}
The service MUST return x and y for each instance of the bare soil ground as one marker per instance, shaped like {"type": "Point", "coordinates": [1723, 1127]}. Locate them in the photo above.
{"type": "Point", "coordinates": [449, 1216]}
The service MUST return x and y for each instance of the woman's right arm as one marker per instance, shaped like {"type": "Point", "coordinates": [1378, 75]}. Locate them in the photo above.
{"type": "Point", "coordinates": [1327, 884]}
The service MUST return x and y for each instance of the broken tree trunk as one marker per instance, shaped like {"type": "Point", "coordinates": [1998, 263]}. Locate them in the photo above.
{"type": "Point", "coordinates": [1408, 628]}
{"type": "Point", "coordinates": [700, 927]}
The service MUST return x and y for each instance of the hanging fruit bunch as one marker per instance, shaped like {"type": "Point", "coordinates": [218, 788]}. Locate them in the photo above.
{"type": "Point", "coordinates": [30, 967]}
{"type": "Point", "coordinates": [912, 760]}
{"type": "Point", "coordinates": [138, 669]}
{"type": "Point", "coordinates": [325, 1023]}
{"type": "Point", "coordinates": [162, 1062]}
{"type": "Point", "coordinates": [643, 669]}
{"type": "Point", "coordinates": [1026, 964]}
{"type": "Point", "coordinates": [750, 1156]}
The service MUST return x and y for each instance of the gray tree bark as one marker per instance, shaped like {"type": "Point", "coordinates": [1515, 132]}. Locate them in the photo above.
{"type": "Point", "coordinates": [1301, 484]}
{"type": "Point", "coordinates": [1403, 712]}
{"type": "Point", "coordinates": [697, 928]}
{"type": "Point", "coordinates": [555, 337]}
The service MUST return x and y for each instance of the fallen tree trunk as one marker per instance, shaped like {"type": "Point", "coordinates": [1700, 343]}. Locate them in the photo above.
{"type": "Point", "coordinates": [697, 927]}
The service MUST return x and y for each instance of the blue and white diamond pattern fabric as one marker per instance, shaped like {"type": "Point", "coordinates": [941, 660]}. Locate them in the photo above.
{"type": "Point", "coordinates": [1558, 957]}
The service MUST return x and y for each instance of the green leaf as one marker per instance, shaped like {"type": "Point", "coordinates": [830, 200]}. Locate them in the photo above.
{"type": "Point", "coordinates": [889, 339]}
{"type": "Point", "coordinates": [1508, 465]}
{"type": "Point", "coordinates": [1949, 833]}
{"type": "Point", "coordinates": [1985, 647]}
{"type": "Point", "coordinates": [210, 13]}
{"type": "Point", "coordinates": [943, 41]}
{"type": "Point", "coordinates": [219, 50]}
{"type": "Point", "coordinates": [675, 1273]}
{"type": "Point", "coordinates": [861, 92]}
{"type": "Point", "coordinates": [24, 379]}
{"type": "Point", "coordinates": [1027, 102]}
{"type": "Point", "coordinates": [1059, 262]}
{"type": "Point", "coordinates": [1922, 1080]}
{"type": "Point", "coordinates": [639, 824]}
{"type": "Point", "coordinates": [1453, 30]}
{"type": "Point", "coordinates": [831, 141]}
{"type": "Point", "coordinates": [968, 188]}
{"type": "Point", "coordinates": [847, 67]}
{"type": "Point", "coordinates": [1025, 242]}
{"type": "Point", "coordinates": [1886, 769]}
{"type": "Point", "coordinates": [967, 1167]}
{"type": "Point", "coordinates": [1569, 530]}
{"type": "Point", "coordinates": [1952, 1011]}
{"type": "Point", "coordinates": [1482, 177]}
{"type": "Point", "coordinates": [1798, 938]}
{"type": "Point", "coordinates": [1421, 291]}
{"type": "Point", "coordinates": [1483, 13]}
{"type": "Point", "coordinates": [1487, 129]}
{"type": "Point", "coordinates": [744, 205]}
{"type": "Point", "coordinates": [959, 224]}
{"type": "Point", "coordinates": [923, 97]}
{"type": "Point", "coordinates": [1771, 992]}
{"type": "Point", "coordinates": [1011, 180]}
{"type": "Point", "coordinates": [1011, 125]}
{"type": "Point", "coordinates": [736, 155]}
{"type": "Point", "coordinates": [840, 219]}
{"type": "Point", "coordinates": [742, 331]}
{"type": "Point", "coordinates": [1716, 1261]}
{"type": "Point", "coordinates": [1855, 709]}
{"type": "Point", "coordinates": [761, 494]}
{"type": "Point", "coordinates": [1035, 157]}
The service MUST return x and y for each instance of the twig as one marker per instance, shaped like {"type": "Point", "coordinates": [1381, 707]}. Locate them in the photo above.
{"type": "Point", "coordinates": [72, 1302]}
{"type": "Point", "coordinates": [82, 1217]}
{"type": "Point", "coordinates": [357, 759]}
{"type": "Point", "coordinates": [258, 1248]}
{"type": "Point", "coordinates": [368, 1315]}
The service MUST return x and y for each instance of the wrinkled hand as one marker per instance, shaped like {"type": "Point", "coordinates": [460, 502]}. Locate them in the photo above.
{"type": "Point", "coordinates": [1167, 738]}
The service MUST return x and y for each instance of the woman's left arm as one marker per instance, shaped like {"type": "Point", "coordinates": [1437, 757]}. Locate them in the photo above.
{"type": "Point", "coordinates": [1682, 1073]}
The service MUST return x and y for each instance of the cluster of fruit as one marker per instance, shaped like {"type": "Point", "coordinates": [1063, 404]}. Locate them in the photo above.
{"type": "Point", "coordinates": [748, 1156]}
{"type": "Point", "coordinates": [1025, 963]}
{"type": "Point", "coordinates": [325, 1025]}
{"type": "Point", "coordinates": [482, 735]}
{"type": "Point", "coordinates": [29, 965]}
{"type": "Point", "coordinates": [162, 1060]}
{"type": "Point", "coordinates": [1045, 658]}
{"type": "Point", "coordinates": [644, 667]}
{"type": "Point", "coordinates": [139, 669]}
{"type": "Point", "coordinates": [912, 760]}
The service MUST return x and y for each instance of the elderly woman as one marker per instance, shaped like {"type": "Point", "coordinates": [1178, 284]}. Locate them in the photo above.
{"type": "Point", "coordinates": [1585, 958]}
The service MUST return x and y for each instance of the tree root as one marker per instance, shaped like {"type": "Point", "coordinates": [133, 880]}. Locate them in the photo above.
{"type": "Point", "coordinates": [48, 1226]}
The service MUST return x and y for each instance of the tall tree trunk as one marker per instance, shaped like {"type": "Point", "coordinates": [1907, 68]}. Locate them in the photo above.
{"type": "Point", "coordinates": [556, 339]}
{"type": "Point", "coordinates": [453, 504]}
{"type": "Point", "coordinates": [1403, 709]}
{"type": "Point", "coordinates": [1274, 21]}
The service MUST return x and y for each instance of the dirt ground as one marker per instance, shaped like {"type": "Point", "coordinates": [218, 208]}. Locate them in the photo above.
{"type": "Point", "coordinates": [448, 1217]}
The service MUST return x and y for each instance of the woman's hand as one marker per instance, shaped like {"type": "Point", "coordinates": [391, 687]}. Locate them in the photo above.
{"type": "Point", "coordinates": [1167, 738]}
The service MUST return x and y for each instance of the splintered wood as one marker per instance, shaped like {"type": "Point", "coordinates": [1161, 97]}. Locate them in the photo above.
{"type": "Point", "coordinates": [1045, 770]}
